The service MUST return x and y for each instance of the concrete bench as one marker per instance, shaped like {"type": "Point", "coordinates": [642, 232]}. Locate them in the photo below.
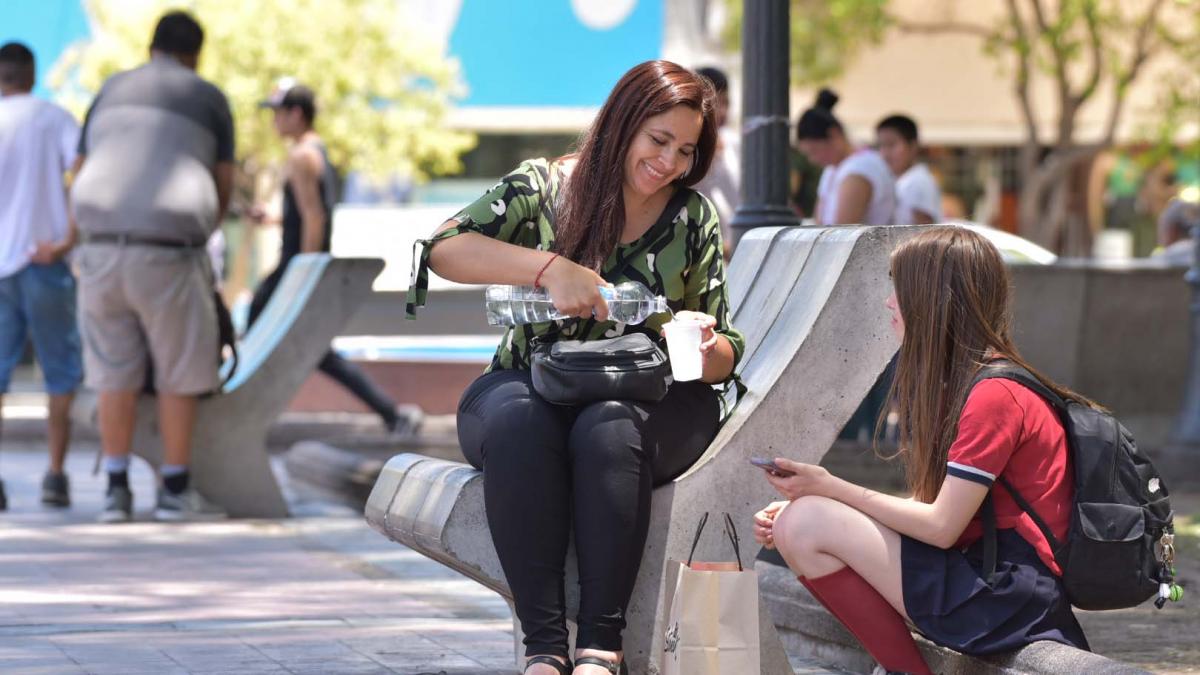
{"type": "Point", "coordinates": [316, 297]}
{"type": "Point", "coordinates": [808, 631]}
{"type": "Point", "coordinates": [810, 302]}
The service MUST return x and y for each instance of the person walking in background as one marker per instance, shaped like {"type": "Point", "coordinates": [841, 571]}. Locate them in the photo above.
{"type": "Point", "coordinates": [722, 185]}
{"type": "Point", "coordinates": [156, 174]}
{"type": "Point", "coordinates": [918, 197]}
{"type": "Point", "coordinates": [857, 187]}
{"type": "Point", "coordinates": [37, 290]}
{"type": "Point", "coordinates": [309, 195]}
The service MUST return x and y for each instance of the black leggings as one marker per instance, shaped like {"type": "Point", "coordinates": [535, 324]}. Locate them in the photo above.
{"type": "Point", "coordinates": [548, 468]}
{"type": "Point", "coordinates": [332, 364]}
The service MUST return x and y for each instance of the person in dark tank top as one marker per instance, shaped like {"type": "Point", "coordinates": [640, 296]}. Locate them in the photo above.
{"type": "Point", "coordinates": [309, 195]}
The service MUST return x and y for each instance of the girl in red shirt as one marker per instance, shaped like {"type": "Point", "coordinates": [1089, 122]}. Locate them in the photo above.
{"type": "Point", "coordinates": [875, 560]}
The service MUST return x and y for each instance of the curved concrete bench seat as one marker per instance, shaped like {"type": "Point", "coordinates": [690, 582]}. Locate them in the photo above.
{"type": "Point", "coordinates": [810, 301]}
{"type": "Point", "coordinates": [315, 298]}
{"type": "Point", "coordinates": [808, 631]}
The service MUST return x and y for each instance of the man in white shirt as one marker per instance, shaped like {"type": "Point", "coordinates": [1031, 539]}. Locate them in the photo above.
{"type": "Point", "coordinates": [918, 198]}
{"type": "Point", "coordinates": [37, 289]}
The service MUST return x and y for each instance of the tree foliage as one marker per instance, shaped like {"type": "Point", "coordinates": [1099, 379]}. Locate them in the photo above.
{"type": "Point", "coordinates": [825, 34]}
{"type": "Point", "coordinates": [383, 89]}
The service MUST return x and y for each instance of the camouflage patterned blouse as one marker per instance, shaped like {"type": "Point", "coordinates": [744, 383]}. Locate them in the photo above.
{"type": "Point", "coordinates": [678, 258]}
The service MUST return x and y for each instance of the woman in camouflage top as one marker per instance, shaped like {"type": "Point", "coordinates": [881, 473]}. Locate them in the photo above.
{"type": "Point", "coordinates": [598, 216]}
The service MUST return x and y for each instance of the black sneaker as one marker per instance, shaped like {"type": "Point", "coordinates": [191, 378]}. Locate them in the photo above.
{"type": "Point", "coordinates": [3, 498]}
{"type": "Point", "coordinates": [56, 490]}
{"type": "Point", "coordinates": [118, 506]}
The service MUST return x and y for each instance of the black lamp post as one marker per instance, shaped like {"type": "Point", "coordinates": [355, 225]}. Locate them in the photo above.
{"type": "Point", "coordinates": [765, 77]}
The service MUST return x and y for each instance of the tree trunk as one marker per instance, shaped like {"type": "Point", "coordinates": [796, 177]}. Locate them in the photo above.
{"type": "Point", "coordinates": [1047, 209]}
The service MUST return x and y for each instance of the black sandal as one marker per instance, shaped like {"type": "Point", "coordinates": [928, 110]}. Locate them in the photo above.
{"type": "Point", "coordinates": [546, 659]}
{"type": "Point", "coordinates": [614, 667]}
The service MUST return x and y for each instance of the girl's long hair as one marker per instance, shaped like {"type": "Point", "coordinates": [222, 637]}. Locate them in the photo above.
{"type": "Point", "coordinates": [952, 288]}
{"type": "Point", "coordinates": [591, 215]}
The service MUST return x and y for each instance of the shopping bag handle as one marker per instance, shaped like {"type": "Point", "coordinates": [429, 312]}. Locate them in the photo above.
{"type": "Point", "coordinates": [730, 532]}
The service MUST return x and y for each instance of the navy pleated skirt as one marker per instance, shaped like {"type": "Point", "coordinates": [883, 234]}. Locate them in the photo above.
{"type": "Point", "coordinates": [948, 600]}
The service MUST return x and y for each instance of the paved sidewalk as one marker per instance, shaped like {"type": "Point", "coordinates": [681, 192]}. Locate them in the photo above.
{"type": "Point", "coordinates": [320, 593]}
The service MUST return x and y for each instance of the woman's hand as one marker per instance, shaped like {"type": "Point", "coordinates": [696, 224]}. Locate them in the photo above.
{"type": "Point", "coordinates": [806, 479]}
{"type": "Point", "coordinates": [764, 524]}
{"type": "Point", "coordinates": [574, 289]}
{"type": "Point", "coordinates": [708, 338]}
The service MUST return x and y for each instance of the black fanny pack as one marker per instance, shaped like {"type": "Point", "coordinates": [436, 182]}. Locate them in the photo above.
{"type": "Point", "coordinates": [626, 368]}
{"type": "Point", "coordinates": [630, 367]}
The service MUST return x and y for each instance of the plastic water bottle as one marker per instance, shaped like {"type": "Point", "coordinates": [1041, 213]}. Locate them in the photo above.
{"type": "Point", "coordinates": [630, 302]}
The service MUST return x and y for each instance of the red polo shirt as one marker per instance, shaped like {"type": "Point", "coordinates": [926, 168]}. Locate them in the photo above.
{"type": "Point", "coordinates": [1008, 430]}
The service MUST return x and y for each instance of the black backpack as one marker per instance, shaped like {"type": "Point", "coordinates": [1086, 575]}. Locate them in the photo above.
{"type": "Point", "coordinates": [1119, 546]}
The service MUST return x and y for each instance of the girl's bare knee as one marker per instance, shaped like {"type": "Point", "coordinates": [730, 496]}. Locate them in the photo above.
{"type": "Point", "coordinates": [798, 527]}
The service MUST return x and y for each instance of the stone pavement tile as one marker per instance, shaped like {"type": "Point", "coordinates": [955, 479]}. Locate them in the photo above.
{"type": "Point", "coordinates": [110, 652]}
{"type": "Point", "coordinates": [411, 652]}
{"type": "Point", "coordinates": [37, 655]}
{"type": "Point", "coordinates": [41, 667]}
{"type": "Point", "coordinates": [199, 652]}
{"type": "Point", "coordinates": [242, 670]}
{"type": "Point", "coordinates": [322, 668]}
{"type": "Point", "coordinates": [493, 648]}
{"type": "Point", "coordinates": [304, 651]}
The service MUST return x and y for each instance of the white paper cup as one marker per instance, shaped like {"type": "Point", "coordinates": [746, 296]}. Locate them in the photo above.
{"type": "Point", "coordinates": [683, 349]}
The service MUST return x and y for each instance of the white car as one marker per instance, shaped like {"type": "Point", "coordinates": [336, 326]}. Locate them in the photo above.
{"type": "Point", "coordinates": [1014, 249]}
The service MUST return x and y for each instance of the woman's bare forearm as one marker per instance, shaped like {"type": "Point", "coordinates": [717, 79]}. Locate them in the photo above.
{"type": "Point", "coordinates": [719, 364]}
{"type": "Point", "coordinates": [472, 258]}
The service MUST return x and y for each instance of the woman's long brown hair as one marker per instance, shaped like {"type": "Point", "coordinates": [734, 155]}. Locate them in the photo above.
{"type": "Point", "coordinates": [591, 214]}
{"type": "Point", "coordinates": [953, 292]}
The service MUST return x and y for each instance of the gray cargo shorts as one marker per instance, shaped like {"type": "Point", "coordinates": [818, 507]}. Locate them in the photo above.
{"type": "Point", "coordinates": [139, 304]}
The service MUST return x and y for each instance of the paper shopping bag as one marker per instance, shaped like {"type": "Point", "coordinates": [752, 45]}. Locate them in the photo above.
{"type": "Point", "coordinates": [712, 615]}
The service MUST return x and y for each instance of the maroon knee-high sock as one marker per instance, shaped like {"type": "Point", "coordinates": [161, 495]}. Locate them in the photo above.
{"type": "Point", "coordinates": [876, 624]}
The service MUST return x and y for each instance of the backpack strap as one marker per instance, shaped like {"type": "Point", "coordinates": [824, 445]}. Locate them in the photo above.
{"type": "Point", "coordinates": [989, 539]}
{"type": "Point", "coordinates": [1008, 370]}
{"type": "Point", "coordinates": [988, 517]}
{"type": "Point", "coordinates": [1055, 544]}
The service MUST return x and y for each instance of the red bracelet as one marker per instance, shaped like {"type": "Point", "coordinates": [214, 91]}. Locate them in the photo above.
{"type": "Point", "coordinates": [537, 281]}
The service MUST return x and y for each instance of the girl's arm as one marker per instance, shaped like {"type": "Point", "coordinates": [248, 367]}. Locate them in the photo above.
{"type": "Point", "coordinates": [938, 524]}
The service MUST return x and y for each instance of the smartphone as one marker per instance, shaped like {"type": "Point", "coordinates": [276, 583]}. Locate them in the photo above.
{"type": "Point", "coordinates": [769, 466]}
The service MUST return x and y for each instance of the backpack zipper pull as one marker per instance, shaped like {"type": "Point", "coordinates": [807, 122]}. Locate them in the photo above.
{"type": "Point", "coordinates": [1171, 591]}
